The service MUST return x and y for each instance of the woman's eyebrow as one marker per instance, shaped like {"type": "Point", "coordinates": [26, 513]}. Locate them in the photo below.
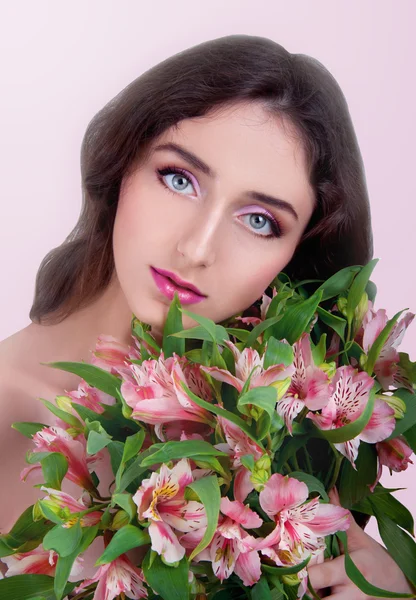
{"type": "Point", "coordinates": [199, 164]}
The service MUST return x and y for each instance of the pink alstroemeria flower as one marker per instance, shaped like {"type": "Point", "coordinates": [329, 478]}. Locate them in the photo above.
{"type": "Point", "coordinates": [109, 353]}
{"type": "Point", "coordinates": [238, 444]}
{"type": "Point", "coordinates": [56, 439]}
{"type": "Point", "coordinates": [386, 368]}
{"type": "Point", "coordinates": [90, 397]}
{"type": "Point", "coordinates": [161, 500]}
{"type": "Point", "coordinates": [232, 549]}
{"type": "Point", "coordinates": [348, 400]}
{"type": "Point", "coordinates": [300, 525]}
{"type": "Point", "coordinates": [65, 506]}
{"type": "Point", "coordinates": [154, 392]}
{"type": "Point", "coordinates": [394, 454]}
{"type": "Point", "coordinates": [310, 386]}
{"type": "Point", "coordinates": [117, 577]}
{"type": "Point", "coordinates": [265, 303]}
{"type": "Point", "coordinates": [37, 562]}
{"type": "Point", "coordinates": [245, 362]}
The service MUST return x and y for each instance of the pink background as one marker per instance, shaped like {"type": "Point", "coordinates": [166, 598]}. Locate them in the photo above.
{"type": "Point", "coordinates": [61, 62]}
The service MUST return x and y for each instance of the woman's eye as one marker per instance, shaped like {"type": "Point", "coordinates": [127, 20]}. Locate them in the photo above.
{"type": "Point", "coordinates": [262, 225]}
{"type": "Point", "coordinates": [175, 180]}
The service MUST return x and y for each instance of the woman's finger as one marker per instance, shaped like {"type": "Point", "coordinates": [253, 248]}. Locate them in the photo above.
{"type": "Point", "coordinates": [328, 574]}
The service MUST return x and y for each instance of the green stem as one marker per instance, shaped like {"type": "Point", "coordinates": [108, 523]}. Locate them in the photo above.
{"type": "Point", "coordinates": [287, 467]}
{"type": "Point", "coordinates": [295, 462]}
{"type": "Point", "coordinates": [338, 461]}
{"type": "Point", "coordinates": [308, 460]}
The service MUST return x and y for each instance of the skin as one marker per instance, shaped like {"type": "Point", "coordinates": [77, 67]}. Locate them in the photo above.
{"type": "Point", "coordinates": [205, 231]}
{"type": "Point", "coordinates": [202, 229]}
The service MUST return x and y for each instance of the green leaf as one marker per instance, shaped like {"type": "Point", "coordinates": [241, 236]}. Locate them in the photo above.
{"type": "Point", "coordinates": [63, 540]}
{"type": "Point", "coordinates": [97, 441]}
{"type": "Point", "coordinates": [358, 287]}
{"type": "Point", "coordinates": [94, 376]}
{"type": "Point", "coordinates": [378, 344]}
{"type": "Point", "coordinates": [133, 445]}
{"type": "Point", "coordinates": [400, 545]}
{"type": "Point", "coordinates": [410, 435]}
{"type": "Point", "coordinates": [333, 321]}
{"type": "Point", "coordinates": [355, 484]}
{"type": "Point", "coordinates": [132, 472]}
{"type": "Point", "coordinates": [392, 508]}
{"type": "Point", "coordinates": [193, 333]}
{"type": "Point", "coordinates": [338, 283]}
{"type": "Point", "coordinates": [125, 501]}
{"type": "Point", "coordinates": [350, 431]}
{"type": "Point", "coordinates": [247, 461]}
{"type": "Point", "coordinates": [115, 450]}
{"type": "Point", "coordinates": [208, 324]}
{"type": "Point", "coordinates": [141, 334]}
{"type": "Point", "coordinates": [358, 578]}
{"type": "Point", "coordinates": [289, 449]}
{"type": "Point", "coordinates": [28, 429]}
{"type": "Point", "coordinates": [65, 563]}
{"type": "Point", "coordinates": [296, 318]}
{"type": "Point", "coordinates": [167, 451]}
{"type": "Point", "coordinates": [278, 571]}
{"type": "Point", "coordinates": [264, 397]}
{"type": "Point", "coordinates": [261, 590]}
{"type": "Point", "coordinates": [314, 485]}
{"type": "Point", "coordinates": [217, 410]}
{"type": "Point", "coordinates": [25, 532]}
{"type": "Point", "coordinates": [240, 334]}
{"type": "Point", "coordinates": [30, 587]}
{"type": "Point", "coordinates": [62, 414]}
{"type": "Point", "coordinates": [259, 329]}
{"type": "Point", "coordinates": [277, 353]}
{"type": "Point", "coordinates": [408, 366]}
{"type": "Point", "coordinates": [208, 491]}
{"type": "Point", "coordinates": [54, 469]}
{"type": "Point", "coordinates": [171, 583]}
{"type": "Point", "coordinates": [409, 417]}
{"type": "Point", "coordinates": [125, 539]}
{"type": "Point", "coordinates": [319, 351]}
{"type": "Point", "coordinates": [173, 324]}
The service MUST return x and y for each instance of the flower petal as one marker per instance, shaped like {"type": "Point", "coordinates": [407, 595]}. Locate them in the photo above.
{"type": "Point", "coordinates": [248, 568]}
{"type": "Point", "coordinates": [165, 542]}
{"type": "Point", "coordinates": [240, 513]}
{"type": "Point", "coordinates": [282, 492]}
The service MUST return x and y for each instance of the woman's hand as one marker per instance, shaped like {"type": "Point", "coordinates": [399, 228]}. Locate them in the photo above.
{"type": "Point", "coordinates": [374, 562]}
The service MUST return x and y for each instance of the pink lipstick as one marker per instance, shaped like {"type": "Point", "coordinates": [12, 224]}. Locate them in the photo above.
{"type": "Point", "coordinates": [168, 283]}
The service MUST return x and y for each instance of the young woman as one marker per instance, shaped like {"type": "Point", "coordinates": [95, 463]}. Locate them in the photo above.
{"type": "Point", "coordinates": [213, 171]}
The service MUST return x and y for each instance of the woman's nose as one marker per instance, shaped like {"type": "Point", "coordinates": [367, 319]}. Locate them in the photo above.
{"type": "Point", "coordinates": [199, 245]}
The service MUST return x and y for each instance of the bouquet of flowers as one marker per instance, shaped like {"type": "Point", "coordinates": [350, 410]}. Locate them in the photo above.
{"type": "Point", "coordinates": [226, 446]}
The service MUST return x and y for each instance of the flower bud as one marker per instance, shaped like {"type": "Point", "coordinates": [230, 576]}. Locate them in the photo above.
{"type": "Point", "coordinates": [258, 478]}
{"type": "Point", "coordinates": [281, 387]}
{"type": "Point", "coordinates": [360, 311]}
{"type": "Point", "coordinates": [264, 462]}
{"type": "Point", "coordinates": [291, 580]}
{"type": "Point", "coordinates": [363, 360]}
{"type": "Point", "coordinates": [64, 403]}
{"type": "Point", "coordinates": [342, 306]}
{"type": "Point", "coordinates": [329, 368]}
{"type": "Point", "coordinates": [396, 403]}
{"type": "Point", "coordinates": [120, 519]}
{"type": "Point", "coordinates": [394, 454]}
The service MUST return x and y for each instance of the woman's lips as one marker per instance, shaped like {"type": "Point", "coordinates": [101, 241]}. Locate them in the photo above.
{"type": "Point", "coordinates": [168, 288]}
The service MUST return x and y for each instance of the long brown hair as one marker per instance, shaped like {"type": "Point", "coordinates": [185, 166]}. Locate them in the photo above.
{"type": "Point", "coordinates": [190, 84]}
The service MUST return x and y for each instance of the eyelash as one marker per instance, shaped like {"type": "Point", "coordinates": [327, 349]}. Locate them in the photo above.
{"type": "Point", "coordinates": [172, 170]}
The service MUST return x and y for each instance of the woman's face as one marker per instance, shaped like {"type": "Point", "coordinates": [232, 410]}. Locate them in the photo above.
{"type": "Point", "coordinates": [227, 218]}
